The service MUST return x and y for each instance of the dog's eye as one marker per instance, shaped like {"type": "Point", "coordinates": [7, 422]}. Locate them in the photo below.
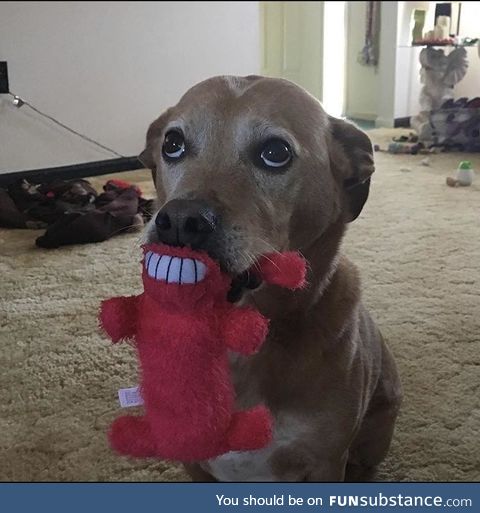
{"type": "Point", "coordinates": [174, 145]}
{"type": "Point", "coordinates": [275, 153]}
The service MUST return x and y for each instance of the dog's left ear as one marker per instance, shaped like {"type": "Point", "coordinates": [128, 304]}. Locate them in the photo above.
{"type": "Point", "coordinates": [351, 160]}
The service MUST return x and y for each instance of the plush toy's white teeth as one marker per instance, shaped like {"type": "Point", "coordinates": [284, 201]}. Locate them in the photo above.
{"type": "Point", "coordinates": [174, 269]}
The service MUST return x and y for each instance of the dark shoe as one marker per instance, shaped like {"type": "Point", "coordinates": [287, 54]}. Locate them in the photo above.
{"type": "Point", "coordinates": [474, 103]}
{"type": "Point", "coordinates": [449, 104]}
{"type": "Point", "coordinates": [460, 103]}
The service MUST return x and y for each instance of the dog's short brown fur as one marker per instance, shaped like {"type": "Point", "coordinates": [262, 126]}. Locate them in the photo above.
{"type": "Point", "coordinates": [324, 371]}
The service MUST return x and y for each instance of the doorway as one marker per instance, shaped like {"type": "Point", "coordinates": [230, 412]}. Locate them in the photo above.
{"type": "Point", "coordinates": [305, 42]}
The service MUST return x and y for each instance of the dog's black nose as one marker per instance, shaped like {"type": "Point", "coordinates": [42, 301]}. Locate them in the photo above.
{"type": "Point", "coordinates": [185, 222]}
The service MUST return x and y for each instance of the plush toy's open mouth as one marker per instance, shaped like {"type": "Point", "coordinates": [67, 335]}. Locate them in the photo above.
{"type": "Point", "coordinates": [173, 269]}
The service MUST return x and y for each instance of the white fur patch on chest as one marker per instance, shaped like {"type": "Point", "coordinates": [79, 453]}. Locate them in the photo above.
{"type": "Point", "coordinates": [254, 465]}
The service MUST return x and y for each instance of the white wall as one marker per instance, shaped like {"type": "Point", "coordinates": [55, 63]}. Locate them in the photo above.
{"type": "Point", "coordinates": [335, 20]}
{"type": "Point", "coordinates": [408, 66]}
{"type": "Point", "coordinates": [109, 68]}
{"type": "Point", "coordinates": [392, 90]}
{"type": "Point", "coordinates": [470, 85]}
{"type": "Point", "coordinates": [470, 27]}
{"type": "Point", "coordinates": [361, 81]}
{"type": "Point", "coordinates": [387, 65]}
{"type": "Point", "coordinates": [371, 91]}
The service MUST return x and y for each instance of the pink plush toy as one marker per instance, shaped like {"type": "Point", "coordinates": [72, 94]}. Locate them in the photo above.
{"type": "Point", "coordinates": [183, 327]}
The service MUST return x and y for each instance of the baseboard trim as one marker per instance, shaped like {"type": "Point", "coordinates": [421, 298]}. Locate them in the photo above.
{"type": "Point", "coordinates": [384, 123]}
{"type": "Point", "coordinates": [101, 167]}
{"type": "Point", "coordinates": [402, 122]}
{"type": "Point", "coordinates": [364, 116]}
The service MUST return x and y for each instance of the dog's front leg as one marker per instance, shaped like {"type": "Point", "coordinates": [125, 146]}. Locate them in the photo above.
{"type": "Point", "coordinates": [294, 464]}
{"type": "Point", "coordinates": [197, 474]}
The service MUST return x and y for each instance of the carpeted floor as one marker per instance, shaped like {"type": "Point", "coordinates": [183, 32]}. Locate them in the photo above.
{"type": "Point", "coordinates": [417, 244]}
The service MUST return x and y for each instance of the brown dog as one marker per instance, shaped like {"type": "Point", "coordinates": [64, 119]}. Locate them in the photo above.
{"type": "Point", "coordinates": [250, 165]}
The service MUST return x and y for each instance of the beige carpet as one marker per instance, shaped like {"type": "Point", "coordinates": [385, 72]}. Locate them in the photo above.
{"type": "Point", "coordinates": [417, 244]}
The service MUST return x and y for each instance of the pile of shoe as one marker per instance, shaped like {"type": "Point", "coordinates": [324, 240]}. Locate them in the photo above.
{"type": "Point", "coordinates": [72, 211]}
{"type": "Point", "coordinates": [456, 125]}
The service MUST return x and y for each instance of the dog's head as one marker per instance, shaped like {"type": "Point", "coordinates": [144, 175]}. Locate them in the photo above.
{"type": "Point", "coordinates": [246, 166]}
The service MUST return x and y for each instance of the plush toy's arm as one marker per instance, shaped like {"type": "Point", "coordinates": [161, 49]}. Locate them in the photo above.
{"type": "Point", "coordinates": [118, 317]}
{"type": "Point", "coordinates": [245, 330]}
{"type": "Point", "coordinates": [284, 269]}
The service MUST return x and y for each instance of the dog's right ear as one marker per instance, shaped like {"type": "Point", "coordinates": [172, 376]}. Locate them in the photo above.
{"type": "Point", "coordinates": [154, 133]}
{"type": "Point", "coordinates": [351, 155]}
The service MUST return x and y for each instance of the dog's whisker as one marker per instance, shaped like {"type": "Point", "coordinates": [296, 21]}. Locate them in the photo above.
{"type": "Point", "coordinates": [272, 262]}
{"type": "Point", "coordinates": [270, 248]}
{"type": "Point", "coordinates": [247, 259]}
{"type": "Point", "coordinates": [125, 229]}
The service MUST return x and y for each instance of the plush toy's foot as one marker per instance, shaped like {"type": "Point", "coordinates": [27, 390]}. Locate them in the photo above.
{"type": "Point", "coordinates": [131, 436]}
{"type": "Point", "coordinates": [250, 430]}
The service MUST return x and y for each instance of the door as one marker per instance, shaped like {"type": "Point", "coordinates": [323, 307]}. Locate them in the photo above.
{"type": "Point", "coordinates": [292, 43]}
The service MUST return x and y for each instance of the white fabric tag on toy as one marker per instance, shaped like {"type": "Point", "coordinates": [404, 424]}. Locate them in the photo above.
{"type": "Point", "coordinates": [129, 397]}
